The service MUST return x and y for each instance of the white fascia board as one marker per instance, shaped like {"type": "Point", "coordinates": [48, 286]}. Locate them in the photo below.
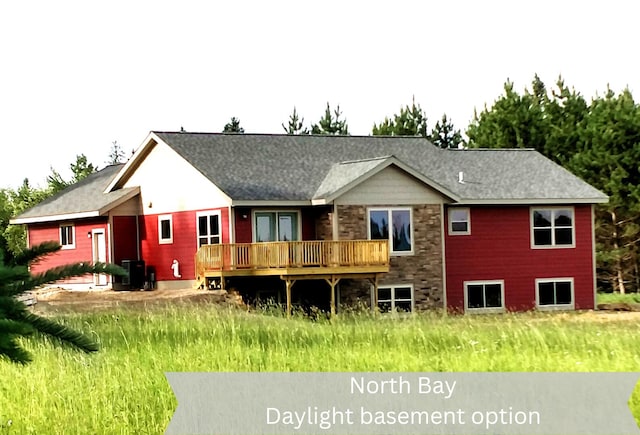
{"type": "Point", "coordinates": [55, 218]}
{"type": "Point", "coordinates": [269, 203]}
{"type": "Point", "coordinates": [134, 160]}
{"type": "Point", "coordinates": [536, 201]}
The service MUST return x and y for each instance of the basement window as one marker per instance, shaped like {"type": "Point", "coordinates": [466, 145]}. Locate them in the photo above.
{"type": "Point", "coordinates": [484, 296]}
{"type": "Point", "coordinates": [68, 236]}
{"type": "Point", "coordinates": [395, 298]}
{"type": "Point", "coordinates": [165, 229]}
{"type": "Point", "coordinates": [554, 293]}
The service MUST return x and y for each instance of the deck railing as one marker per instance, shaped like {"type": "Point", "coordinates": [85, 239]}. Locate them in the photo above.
{"type": "Point", "coordinates": [286, 255]}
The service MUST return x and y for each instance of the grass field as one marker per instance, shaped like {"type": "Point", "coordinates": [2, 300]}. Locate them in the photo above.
{"type": "Point", "coordinates": [122, 388]}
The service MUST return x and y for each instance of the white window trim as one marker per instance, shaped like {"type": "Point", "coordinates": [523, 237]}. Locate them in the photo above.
{"type": "Point", "coordinates": [253, 222]}
{"type": "Point", "coordinates": [165, 217]}
{"type": "Point", "coordinates": [208, 213]}
{"type": "Point", "coordinates": [501, 309]}
{"type": "Point", "coordinates": [393, 295]}
{"type": "Point", "coordinates": [553, 235]}
{"type": "Point", "coordinates": [459, 233]}
{"type": "Point", "coordinates": [570, 306]}
{"type": "Point", "coordinates": [73, 236]}
{"type": "Point", "coordinates": [389, 211]}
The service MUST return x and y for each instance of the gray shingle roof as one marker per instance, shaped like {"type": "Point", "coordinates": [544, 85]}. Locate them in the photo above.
{"type": "Point", "coordinates": [84, 198]}
{"type": "Point", "coordinates": [254, 167]}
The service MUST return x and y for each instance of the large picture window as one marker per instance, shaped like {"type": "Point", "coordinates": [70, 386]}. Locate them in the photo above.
{"type": "Point", "coordinates": [554, 293]}
{"type": "Point", "coordinates": [271, 226]}
{"type": "Point", "coordinates": [484, 296]}
{"type": "Point", "coordinates": [394, 225]}
{"type": "Point", "coordinates": [552, 227]}
{"type": "Point", "coordinates": [395, 298]}
{"type": "Point", "coordinates": [67, 236]}
{"type": "Point", "coordinates": [208, 228]}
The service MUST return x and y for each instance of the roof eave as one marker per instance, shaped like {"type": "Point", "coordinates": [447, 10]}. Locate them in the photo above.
{"type": "Point", "coordinates": [270, 203]}
{"type": "Point", "coordinates": [78, 215]}
{"type": "Point", "coordinates": [532, 201]}
{"type": "Point", "coordinates": [55, 218]}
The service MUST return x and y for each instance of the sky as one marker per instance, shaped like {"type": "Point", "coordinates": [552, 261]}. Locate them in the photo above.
{"type": "Point", "coordinates": [75, 76]}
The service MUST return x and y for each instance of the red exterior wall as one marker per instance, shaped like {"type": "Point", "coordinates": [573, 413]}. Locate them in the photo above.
{"type": "Point", "coordinates": [499, 248]}
{"type": "Point", "coordinates": [125, 238]}
{"type": "Point", "coordinates": [183, 248]}
{"type": "Point", "coordinates": [83, 251]}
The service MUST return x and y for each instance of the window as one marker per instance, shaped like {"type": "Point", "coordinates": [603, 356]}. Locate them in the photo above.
{"type": "Point", "coordinates": [208, 228]}
{"type": "Point", "coordinates": [276, 226]}
{"type": "Point", "coordinates": [459, 221]}
{"type": "Point", "coordinates": [554, 293]}
{"type": "Point", "coordinates": [395, 298]}
{"type": "Point", "coordinates": [393, 225]}
{"type": "Point", "coordinates": [552, 227]}
{"type": "Point", "coordinates": [165, 229]}
{"type": "Point", "coordinates": [485, 296]}
{"type": "Point", "coordinates": [67, 236]}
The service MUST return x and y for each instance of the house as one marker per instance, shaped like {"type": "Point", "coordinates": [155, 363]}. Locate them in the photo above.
{"type": "Point", "coordinates": [394, 222]}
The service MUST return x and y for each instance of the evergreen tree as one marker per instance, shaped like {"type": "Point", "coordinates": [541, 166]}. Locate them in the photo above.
{"type": "Point", "coordinates": [411, 121]}
{"type": "Point", "coordinates": [607, 157]}
{"type": "Point", "coordinates": [330, 123]}
{"type": "Point", "coordinates": [80, 169]}
{"type": "Point", "coordinates": [445, 135]}
{"type": "Point", "coordinates": [514, 121]}
{"type": "Point", "coordinates": [233, 126]}
{"type": "Point", "coordinates": [295, 125]}
{"type": "Point", "coordinates": [116, 155]}
{"type": "Point", "coordinates": [17, 321]}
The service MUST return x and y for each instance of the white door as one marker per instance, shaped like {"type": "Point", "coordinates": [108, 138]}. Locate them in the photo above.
{"type": "Point", "coordinates": [99, 254]}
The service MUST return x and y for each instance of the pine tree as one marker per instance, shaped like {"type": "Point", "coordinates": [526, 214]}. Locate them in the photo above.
{"type": "Point", "coordinates": [233, 126]}
{"type": "Point", "coordinates": [15, 318]}
{"type": "Point", "coordinates": [295, 125]}
{"type": "Point", "coordinates": [411, 121]}
{"type": "Point", "coordinates": [445, 135]}
{"type": "Point", "coordinates": [116, 155]}
{"type": "Point", "coordinates": [330, 123]}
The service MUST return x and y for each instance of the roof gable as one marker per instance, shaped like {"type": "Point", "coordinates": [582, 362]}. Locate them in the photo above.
{"type": "Point", "coordinates": [344, 176]}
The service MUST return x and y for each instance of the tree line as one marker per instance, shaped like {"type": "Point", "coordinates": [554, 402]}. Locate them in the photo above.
{"type": "Point", "coordinates": [598, 140]}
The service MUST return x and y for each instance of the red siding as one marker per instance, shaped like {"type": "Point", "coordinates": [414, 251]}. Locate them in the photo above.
{"type": "Point", "coordinates": [83, 251]}
{"type": "Point", "coordinates": [499, 248]}
{"type": "Point", "coordinates": [125, 239]}
{"type": "Point", "coordinates": [183, 248]}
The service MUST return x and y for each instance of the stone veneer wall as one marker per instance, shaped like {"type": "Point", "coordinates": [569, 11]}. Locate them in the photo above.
{"type": "Point", "coordinates": [324, 227]}
{"type": "Point", "coordinates": [423, 269]}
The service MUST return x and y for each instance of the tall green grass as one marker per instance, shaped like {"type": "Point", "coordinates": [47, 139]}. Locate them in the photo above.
{"type": "Point", "coordinates": [122, 388]}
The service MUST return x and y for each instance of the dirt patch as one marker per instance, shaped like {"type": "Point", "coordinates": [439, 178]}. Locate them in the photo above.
{"type": "Point", "coordinates": [67, 300]}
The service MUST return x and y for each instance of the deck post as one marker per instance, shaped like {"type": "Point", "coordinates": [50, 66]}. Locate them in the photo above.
{"type": "Point", "coordinates": [288, 284]}
{"type": "Point", "coordinates": [374, 295]}
{"type": "Point", "coordinates": [333, 281]}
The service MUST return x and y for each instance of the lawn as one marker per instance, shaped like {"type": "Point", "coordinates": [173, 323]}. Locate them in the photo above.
{"type": "Point", "coordinates": [122, 388]}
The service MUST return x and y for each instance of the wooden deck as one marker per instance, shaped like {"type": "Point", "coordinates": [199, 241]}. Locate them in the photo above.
{"type": "Point", "coordinates": [330, 260]}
